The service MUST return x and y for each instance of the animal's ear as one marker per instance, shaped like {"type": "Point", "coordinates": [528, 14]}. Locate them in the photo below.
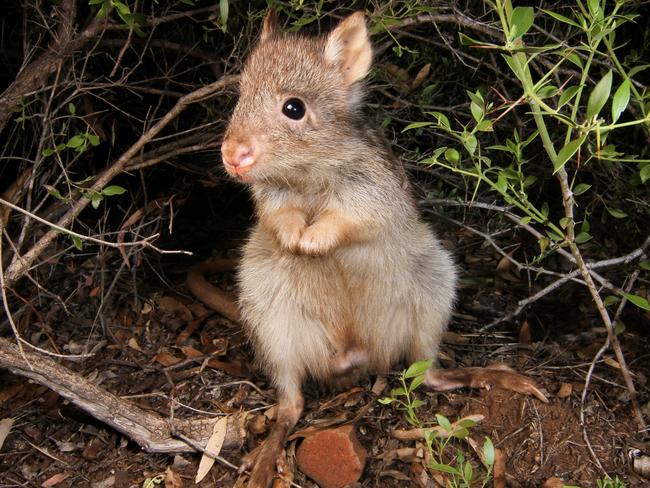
{"type": "Point", "coordinates": [348, 47]}
{"type": "Point", "coordinates": [270, 27]}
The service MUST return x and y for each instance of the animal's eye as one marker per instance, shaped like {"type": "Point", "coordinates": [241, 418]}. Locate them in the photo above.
{"type": "Point", "coordinates": [294, 109]}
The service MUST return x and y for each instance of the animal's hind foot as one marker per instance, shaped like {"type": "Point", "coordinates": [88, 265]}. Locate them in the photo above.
{"type": "Point", "coordinates": [497, 375]}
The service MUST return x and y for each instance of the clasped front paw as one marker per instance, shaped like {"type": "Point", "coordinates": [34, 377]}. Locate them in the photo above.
{"type": "Point", "coordinates": [316, 241]}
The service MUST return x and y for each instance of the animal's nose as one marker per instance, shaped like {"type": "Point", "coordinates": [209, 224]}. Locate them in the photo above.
{"type": "Point", "coordinates": [238, 154]}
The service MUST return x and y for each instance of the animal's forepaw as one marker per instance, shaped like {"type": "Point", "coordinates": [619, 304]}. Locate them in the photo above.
{"type": "Point", "coordinates": [317, 240]}
{"type": "Point", "coordinates": [289, 237]}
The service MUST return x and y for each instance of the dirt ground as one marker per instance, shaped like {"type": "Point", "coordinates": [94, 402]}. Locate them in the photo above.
{"type": "Point", "coordinates": [161, 349]}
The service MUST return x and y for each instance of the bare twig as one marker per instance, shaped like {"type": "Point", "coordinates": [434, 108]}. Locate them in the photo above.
{"type": "Point", "coordinates": [21, 264]}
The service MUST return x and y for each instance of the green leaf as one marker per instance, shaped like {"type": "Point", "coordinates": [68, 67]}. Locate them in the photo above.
{"type": "Point", "coordinates": [582, 237]}
{"type": "Point", "coordinates": [525, 220]}
{"type": "Point", "coordinates": [113, 190]}
{"type": "Point", "coordinates": [594, 8]}
{"type": "Point", "coordinates": [443, 422]}
{"type": "Point", "coordinates": [418, 368]}
{"type": "Point", "coordinates": [461, 433]}
{"type": "Point", "coordinates": [522, 19]}
{"type": "Point", "coordinates": [54, 192]}
{"type": "Point", "coordinates": [620, 100]}
{"type": "Point", "coordinates": [452, 155]}
{"type": "Point", "coordinates": [441, 118]}
{"type": "Point", "coordinates": [561, 18]}
{"type": "Point", "coordinates": [386, 401]}
{"type": "Point", "coordinates": [465, 40]}
{"type": "Point", "coordinates": [567, 152]}
{"type": "Point", "coordinates": [575, 59]}
{"type": "Point", "coordinates": [644, 174]}
{"type": "Point", "coordinates": [466, 423]}
{"type": "Point", "coordinates": [95, 200]}
{"type": "Point", "coordinates": [547, 91]}
{"type": "Point", "coordinates": [581, 188]}
{"type": "Point", "coordinates": [95, 2]}
{"type": "Point", "coordinates": [611, 300]}
{"type": "Point", "coordinates": [71, 108]}
{"type": "Point", "coordinates": [477, 111]}
{"type": "Point", "coordinates": [416, 125]}
{"type": "Point", "coordinates": [417, 403]}
{"type": "Point", "coordinates": [48, 151]}
{"type": "Point", "coordinates": [568, 93]}
{"type": "Point", "coordinates": [445, 468]}
{"type": "Point", "coordinates": [564, 222]}
{"type": "Point", "coordinates": [470, 143]}
{"type": "Point", "coordinates": [485, 126]}
{"type": "Point", "coordinates": [638, 301]}
{"type": "Point", "coordinates": [599, 95]}
{"type": "Point", "coordinates": [468, 473]}
{"type": "Point", "coordinates": [103, 11]}
{"type": "Point", "coordinates": [616, 213]}
{"type": "Point", "coordinates": [488, 452]}
{"type": "Point", "coordinates": [398, 392]}
{"type": "Point", "coordinates": [93, 139]}
{"type": "Point", "coordinates": [223, 11]}
{"type": "Point", "coordinates": [76, 141]}
{"type": "Point", "coordinates": [417, 381]}
{"type": "Point", "coordinates": [645, 265]}
{"type": "Point", "coordinates": [122, 8]}
{"type": "Point", "coordinates": [619, 328]}
{"type": "Point", "coordinates": [77, 242]}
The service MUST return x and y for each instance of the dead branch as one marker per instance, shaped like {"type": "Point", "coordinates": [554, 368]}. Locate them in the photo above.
{"type": "Point", "coordinates": [21, 264]}
{"type": "Point", "coordinates": [152, 432]}
{"type": "Point", "coordinates": [33, 76]}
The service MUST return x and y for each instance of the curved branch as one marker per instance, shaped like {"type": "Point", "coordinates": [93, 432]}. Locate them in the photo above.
{"type": "Point", "coordinates": [21, 264]}
{"type": "Point", "coordinates": [152, 432]}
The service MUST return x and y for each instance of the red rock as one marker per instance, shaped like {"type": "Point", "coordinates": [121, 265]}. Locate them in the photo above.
{"type": "Point", "coordinates": [333, 458]}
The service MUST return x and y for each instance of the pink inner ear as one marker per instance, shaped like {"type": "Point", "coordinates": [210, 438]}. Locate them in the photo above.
{"type": "Point", "coordinates": [348, 47]}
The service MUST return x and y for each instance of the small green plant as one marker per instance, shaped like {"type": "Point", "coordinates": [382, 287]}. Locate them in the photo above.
{"type": "Point", "coordinates": [608, 482]}
{"type": "Point", "coordinates": [445, 456]}
{"type": "Point", "coordinates": [574, 123]}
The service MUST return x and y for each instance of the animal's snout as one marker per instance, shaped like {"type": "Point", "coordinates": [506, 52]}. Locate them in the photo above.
{"type": "Point", "coordinates": [239, 155]}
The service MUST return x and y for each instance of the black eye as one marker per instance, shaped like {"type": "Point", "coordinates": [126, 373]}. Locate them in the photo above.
{"type": "Point", "coordinates": [294, 109]}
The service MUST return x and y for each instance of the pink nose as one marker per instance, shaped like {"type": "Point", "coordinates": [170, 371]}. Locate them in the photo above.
{"type": "Point", "coordinates": [238, 155]}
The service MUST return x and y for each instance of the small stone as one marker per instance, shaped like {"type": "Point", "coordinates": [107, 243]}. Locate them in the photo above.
{"type": "Point", "coordinates": [333, 458]}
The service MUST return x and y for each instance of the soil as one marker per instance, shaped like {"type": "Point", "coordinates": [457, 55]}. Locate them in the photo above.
{"type": "Point", "coordinates": [152, 341]}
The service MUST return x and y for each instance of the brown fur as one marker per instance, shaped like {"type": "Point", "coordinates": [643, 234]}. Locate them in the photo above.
{"type": "Point", "coordinates": [340, 273]}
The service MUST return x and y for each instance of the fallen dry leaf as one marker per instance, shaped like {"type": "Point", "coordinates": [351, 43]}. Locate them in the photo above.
{"type": "Point", "coordinates": [553, 482]}
{"type": "Point", "coordinates": [5, 427]}
{"type": "Point", "coordinates": [565, 390]}
{"type": "Point", "coordinates": [54, 480]}
{"type": "Point", "coordinates": [191, 352]}
{"type": "Point", "coordinates": [172, 479]}
{"type": "Point", "coordinates": [611, 362]}
{"type": "Point", "coordinates": [257, 424]}
{"type": "Point", "coordinates": [133, 344]}
{"type": "Point", "coordinates": [379, 385]}
{"type": "Point", "coordinates": [421, 76]}
{"type": "Point", "coordinates": [174, 306]}
{"type": "Point", "coordinates": [213, 446]}
{"type": "Point", "coordinates": [233, 368]}
{"type": "Point", "coordinates": [10, 392]}
{"type": "Point", "coordinates": [166, 359]}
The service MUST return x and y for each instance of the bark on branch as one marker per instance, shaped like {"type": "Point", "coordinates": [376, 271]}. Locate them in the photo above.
{"type": "Point", "coordinates": [151, 431]}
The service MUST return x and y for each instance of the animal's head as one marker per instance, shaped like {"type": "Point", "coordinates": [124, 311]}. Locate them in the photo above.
{"type": "Point", "coordinates": [298, 96]}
